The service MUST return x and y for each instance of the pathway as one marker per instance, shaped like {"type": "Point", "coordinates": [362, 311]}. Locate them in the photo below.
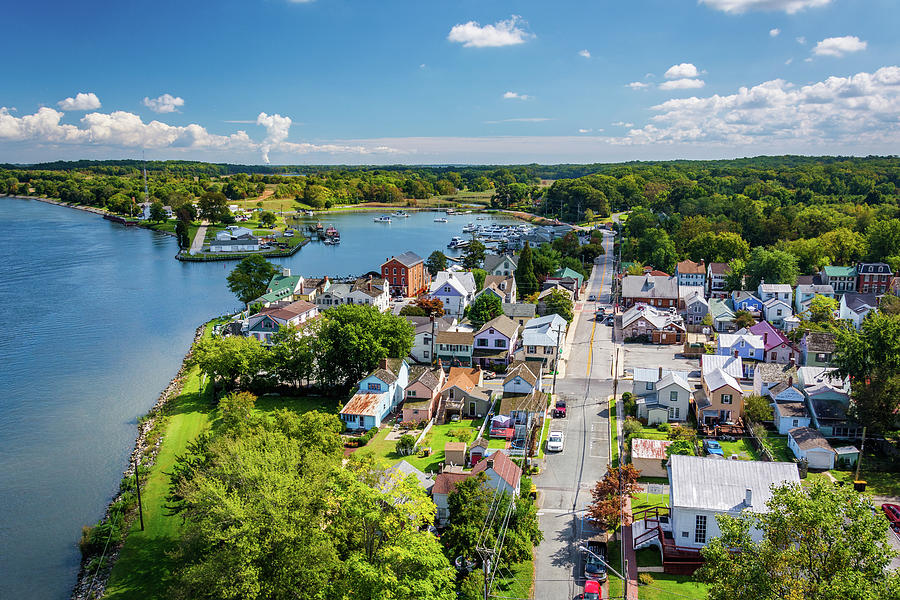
{"type": "Point", "coordinates": [199, 238]}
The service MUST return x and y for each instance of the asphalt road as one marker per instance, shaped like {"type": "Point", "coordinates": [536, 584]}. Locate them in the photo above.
{"type": "Point", "coordinates": [567, 477]}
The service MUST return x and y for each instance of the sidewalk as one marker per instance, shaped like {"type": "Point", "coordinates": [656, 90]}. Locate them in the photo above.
{"type": "Point", "coordinates": [199, 238]}
{"type": "Point", "coordinates": [627, 535]}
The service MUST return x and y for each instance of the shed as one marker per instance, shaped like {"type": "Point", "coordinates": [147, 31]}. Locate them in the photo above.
{"type": "Point", "coordinates": [807, 443]}
{"type": "Point", "coordinates": [455, 453]}
{"type": "Point", "coordinates": [846, 456]}
{"type": "Point", "coordinates": [649, 456]}
{"type": "Point", "coordinates": [478, 450]}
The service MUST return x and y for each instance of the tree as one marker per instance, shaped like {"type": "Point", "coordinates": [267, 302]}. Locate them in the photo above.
{"type": "Point", "coordinates": [483, 309]}
{"type": "Point", "coordinates": [406, 445]}
{"type": "Point", "coordinates": [526, 282]}
{"type": "Point", "coordinates": [411, 310]}
{"type": "Point", "coordinates": [480, 275]}
{"type": "Point", "coordinates": [680, 447]}
{"type": "Point", "coordinates": [235, 361]}
{"type": "Point", "coordinates": [657, 248]}
{"type": "Point", "coordinates": [181, 232]}
{"type": "Point", "coordinates": [743, 318]}
{"type": "Point", "coordinates": [474, 255]}
{"type": "Point", "coordinates": [589, 252]}
{"type": "Point", "coordinates": [559, 303]}
{"type": "Point", "coordinates": [250, 278]}
{"type": "Point", "coordinates": [734, 278]}
{"type": "Point", "coordinates": [608, 493]}
{"type": "Point", "coordinates": [437, 261]}
{"type": "Point", "coordinates": [267, 218]}
{"type": "Point", "coordinates": [157, 212]}
{"type": "Point", "coordinates": [236, 409]}
{"type": "Point", "coordinates": [545, 260]}
{"type": "Point", "coordinates": [213, 206]}
{"type": "Point", "coordinates": [822, 309]}
{"type": "Point", "coordinates": [292, 354]}
{"type": "Point", "coordinates": [718, 247]}
{"type": "Point", "coordinates": [433, 307]}
{"type": "Point", "coordinates": [883, 239]}
{"type": "Point", "coordinates": [773, 266]}
{"type": "Point", "coordinates": [757, 408]}
{"type": "Point", "coordinates": [818, 541]}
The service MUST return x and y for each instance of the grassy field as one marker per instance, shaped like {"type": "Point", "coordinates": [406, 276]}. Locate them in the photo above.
{"type": "Point", "coordinates": [777, 445]}
{"type": "Point", "coordinates": [649, 557]}
{"type": "Point", "coordinates": [878, 483]}
{"type": "Point", "coordinates": [641, 500]}
{"type": "Point", "coordinates": [515, 582]}
{"type": "Point", "coordinates": [616, 585]}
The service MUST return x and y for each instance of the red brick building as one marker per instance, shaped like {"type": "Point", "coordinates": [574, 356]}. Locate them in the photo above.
{"type": "Point", "coordinates": [874, 278]}
{"type": "Point", "coordinates": [406, 274]}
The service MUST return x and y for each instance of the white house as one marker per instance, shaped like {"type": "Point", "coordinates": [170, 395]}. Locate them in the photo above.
{"type": "Point", "coordinates": [670, 402]}
{"type": "Point", "coordinates": [371, 295]}
{"type": "Point", "coordinates": [776, 310]}
{"type": "Point", "coordinates": [542, 339]}
{"type": "Point", "coordinates": [500, 264]}
{"type": "Point", "coordinates": [702, 488]}
{"type": "Point", "coordinates": [246, 243]}
{"type": "Point", "coordinates": [856, 307]}
{"type": "Point", "coordinates": [780, 291]}
{"type": "Point", "coordinates": [377, 395]}
{"type": "Point", "coordinates": [523, 377]}
{"type": "Point", "coordinates": [455, 290]}
{"type": "Point", "coordinates": [790, 415]}
{"type": "Point", "coordinates": [809, 444]}
{"type": "Point", "coordinates": [805, 294]}
{"type": "Point", "coordinates": [695, 305]}
{"type": "Point", "coordinates": [423, 339]}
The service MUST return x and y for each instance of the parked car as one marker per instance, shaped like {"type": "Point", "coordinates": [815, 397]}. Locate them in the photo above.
{"type": "Point", "coordinates": [488, 375]}
{"type": "Point", "coordinates": [892, 512]}
{"type": "Point", "coordinates": [559, 411]}
{"type": "Point", "coordinates": [713, 447]}
{"type": "Point", "coordinates": [592, 298]}
{"type": "Point", "coordinates": [592, 591]}
{"type": "Point", "coordinates": [595, 561]}
{"type": "Point", "coordinates": [555, 441]}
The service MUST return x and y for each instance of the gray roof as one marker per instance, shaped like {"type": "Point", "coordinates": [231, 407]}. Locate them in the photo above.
{"type": "Point", "coordinates": [874, 268]}
{"type": "Point", "coordinates": [519, 309]}
{"type": "Point", "coordinates": [649, 286]}
{"type": "Point", "coordinates": [733, 365]}
{"type": "Point", "coordinates": [776, 373]}
{"type": "Point", "coordinates": [647, 374]}
{"type": "Point", "coordinates": [815, 289]}
{"type": "Point", "coordinates": [721, 485]}
{"type": "Point", "coordinates": [503, 324]}
{"type": "Point", "coordinates": [819, 341]}
{"type": "Point", "coordinates": [857, 302]}
{"type": "Point", "coordinates": [241, 241]}
{"type": "Point", "coordinates": [808, 438]}
{"type": "Point", "coordinates": [492, 260]}
{"type": "Point", "coordinates": [423, 324]}
{"type": "Point", "coordinates": [718, 378]}
{"type": "Point", "coordinates": [407, 258]}
{"type": "Point", "coordinates": [791, 409]}
{"type": "Point", "coordinates": [774, 288]}
{"type": "Point", "coordinates": [405, 469]}
{"type": "Point", "coordinates": [832, 410]}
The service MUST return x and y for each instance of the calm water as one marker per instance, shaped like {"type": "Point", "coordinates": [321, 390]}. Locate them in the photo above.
{"type": "Point", "coordinates": [97, 318]}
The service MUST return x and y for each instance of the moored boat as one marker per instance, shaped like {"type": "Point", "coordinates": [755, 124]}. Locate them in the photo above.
{"type": "Point", "coordinates": [383, 219]}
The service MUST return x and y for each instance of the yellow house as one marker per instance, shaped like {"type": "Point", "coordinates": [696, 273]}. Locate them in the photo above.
{"type": "Point", "coordinates": [722, 400]}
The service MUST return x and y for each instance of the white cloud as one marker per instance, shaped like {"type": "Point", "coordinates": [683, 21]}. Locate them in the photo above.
{"type": "Point", "coordinates": [585, 130]}
{"type": "Point", "coordinates": [789, 61]}
{"type": "Point", "coordinates": [681, 71]}
{"type": "Point", "coordinates": [682, 84]}
{"type": "Point", "coordinates": [741, 6]}
{"type": "Point", "coordinates": [774, 32]}
{"type": "Point", "coordinates": [422, 66]}
{"type": "Point", "coordinates": [516, 96]}
{"type": "Point", "coordinates": [638, 85]}
{"type": "Point", "coordinates": [167, 103]}
{"type": "Point", "coordinates": [81, 101]}
{"type": "Point", "coordinates": [861, 111]}
{"type": "Point", "coordinates": [584, 53]}
{"type": "Point", "coordinates": [501, 33]}
{"type": "Point", "coordinates": [801, 40]}
{"type": "Point", "coordinates": [839, 46]}
{"type": "Point", "coordinates": [622, 124]}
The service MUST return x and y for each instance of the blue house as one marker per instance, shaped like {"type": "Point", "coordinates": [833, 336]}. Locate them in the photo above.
{"type": "Point", "coordinates": [377, 396]}
{"type": "Point", "coordinates": [743, 300]}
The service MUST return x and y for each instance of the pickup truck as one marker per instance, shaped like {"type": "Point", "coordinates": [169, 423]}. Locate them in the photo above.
{"type": "Point", "coordinates": [559, 411]}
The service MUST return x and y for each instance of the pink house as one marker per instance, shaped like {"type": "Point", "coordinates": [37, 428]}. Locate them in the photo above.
{"type": "Point", "coordinates": [421, 394]}
{"type": "Point", "coordinates": [778, 349]}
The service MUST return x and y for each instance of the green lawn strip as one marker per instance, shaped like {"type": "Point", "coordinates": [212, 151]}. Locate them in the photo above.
{"type": "Point", "coordinates": [436, 438]}
{"type": "Point", "coordinates": [616, 585]}
{"type": "Point", "coordinates": [652, 434]}
{"type": "Point", "coordinates": [878, 483]}
{"type": "Point", "coordinates": [614, 458]}
{"type": "Point", "coordinates": [777, 445]}
{"type": "Point", "coordinates": [649, 557]}
{"type": "Point", "coordinates": [544, 432]}
{"type": "Point", "coordinates": [497, 443]}
{"type": "Point", "coordinates": [666, 587]}
{"type": "Point", "coordinates": [742, 448]}
{"type": "Point", "coordinates": [642, 500]}
{"type": "Point", "coordinates": [515, 581]}
{"type": "Point", "coordinates": [297, 404]}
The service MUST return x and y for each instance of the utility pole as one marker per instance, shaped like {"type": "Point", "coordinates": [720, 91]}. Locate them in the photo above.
{"type": "Point", "coordinates": [556, 362]}
{"type": "Point", "coordinates": [137, 484]}
{"type": "Point", "coordinates": [862, 448]}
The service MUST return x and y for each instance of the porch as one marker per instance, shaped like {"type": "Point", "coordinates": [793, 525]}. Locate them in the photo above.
{"type": "Point", "coordinates": [652, 527]}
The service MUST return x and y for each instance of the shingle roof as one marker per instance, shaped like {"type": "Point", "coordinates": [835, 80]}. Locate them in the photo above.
{"type": "Point", "coordinates": [689, 266]}
{"type": "Point", "coordinates": [423, 324]}
{"type": "Point", "coordinates": [445, 483]}
{"type": "Point", "coordinates": [832, 410]}
{"type": "Point", "coordinates": [773, 373]}
{"type": "Point", "coordinates": [519, 309]}
{"type": "Point", "coordinates": [718, 268]}
{"type": "Point", "coordinates": [874, 268]}
{"type": "Point", "coordinates": [820, 341]}
{"type": "Point", "coordinates": [503, 466]}
{"type": "Point", "coordinates": [503, 324]}
{"type": "Point", "coordinates": [643, 448]}
{"type": "Point", "coordinates": [522, 369]}
{"type": "Point", "coordinates": [721, 485]}
{"type": "Point", "coordinates": [405, 470]}
{"type": "Point", "coordinates": [808, 438]}
{"type": "Point", "coordinates": [492, 260]}
{"type": "Point", "coordinates": [465, 378]}
{"type": "Point", "coordinates": [791, 409]}
{"type": "Point", "coordinates": [649, 286]}
{"type": "Point", "coordinates": [719, 309]}
{"type": "Point", "coordinates": [426, 377]}
{"type": "Point", "coordinates": [408, 259]}
{"type": "Point", "coordinates": [859, 302]}
{"type": "Point", "coordinates": [460, 338]}
{"type": "Point", "coordinates": [718, 378]}
{"type": "Point", "coordinates": [533, 401]}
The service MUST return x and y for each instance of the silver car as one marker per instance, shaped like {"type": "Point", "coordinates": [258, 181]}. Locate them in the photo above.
{"type": "Point", "coordinates": [555, 441]}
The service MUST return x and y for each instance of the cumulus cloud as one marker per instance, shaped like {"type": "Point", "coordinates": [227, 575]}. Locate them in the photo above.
{"type": "Point", "coordinates": [516, 96]}
{"type": "Point", "coordinates": [81, 101]}
{"type": "Point", "coordinates": [839, 46]}
{"type": "Point", "coordinates": [622, 124]}
{"type": "Point", "coordinates": [584, 53]}
{"type": "Point", "coordinates": [638, 85]}
{"type": "Point", "coordinates": [742, 6]}
{"type": "Point", "coordinates": [501, 33]}
{"type": "Point", "coordinates": [860, 109]}
{"type": "Point", "coordinates": [167, 103]}
{"type": "Point", "coordinates": [682, 84]}
{"type": "Point", "coordinates": [585, 130]}
{"type": "Point", "coordinates": [681, 71]}
{"type": "Point", "coordinates": [774, 32]}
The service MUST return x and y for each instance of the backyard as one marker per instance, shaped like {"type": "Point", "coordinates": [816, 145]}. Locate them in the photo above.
{"type": "Point", "coordinates": [436, 438]}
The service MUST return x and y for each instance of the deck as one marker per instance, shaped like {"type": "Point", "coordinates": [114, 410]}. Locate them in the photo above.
{"type": "Point", "coordinates": [649, 529]}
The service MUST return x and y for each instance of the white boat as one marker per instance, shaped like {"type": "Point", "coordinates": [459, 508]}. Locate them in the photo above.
{"type": "Point", "coordinates": [469, 228]}
{"type": "Point", "coordinates": [383, 219]}
{"type": "Point", "coordinates": [440, 220]}
{"type": "Point", "coordinates": [401, 214]}
{"type": "Point", "coordinates": [457, 242]}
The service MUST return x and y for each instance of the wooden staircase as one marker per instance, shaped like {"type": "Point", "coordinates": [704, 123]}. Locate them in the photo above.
{"type": "Point", "coordinates": [677, 560]}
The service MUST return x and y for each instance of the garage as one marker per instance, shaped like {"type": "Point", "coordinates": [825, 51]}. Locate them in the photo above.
{"type": "Point", "coordinates": [807, 443]}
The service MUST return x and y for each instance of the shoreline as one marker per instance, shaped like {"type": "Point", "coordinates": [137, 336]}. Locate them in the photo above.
{"type": "Point", "coordinates": [90, 585]}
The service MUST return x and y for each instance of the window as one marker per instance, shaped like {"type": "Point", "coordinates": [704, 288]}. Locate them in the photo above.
{"type": "Point", "coordinates": [673, 396]}
{"type": "Point", "coordinates": [673, 413]}
{"type": "Point", "coordinates": [403, 281]}
{"type": "Point", "coordinates": [532, 349]}
{"type": "Point", "coordinates": [821, 357]}
{"type": "Point", "coordinates": [751, 353]}
{"type": "Point", "coordinates": [482, 342]}
{"type": "Point", "coordinates": [773, 356]}
{"type": "Point", "coordinates": [649, 385]}
{"type": "Point", "coordinates": [425, 354]}
{"type": "Point", "coordinates": [375, 387]}
{"type": "Point", "coordinates": [685, 534]}
{"type": "Point", "coordinates": [499, 343]}
{"type": "Point", "coordinates": [700, 529]}
{"type": "Point", "coordinates": [778, 312]}
{"type": "Point", "coordinates": [447, 289]}
{"type": "Point", "coordinates": [426, 339]}
{"type": "Point", "coordinates": [491, 331]}
{"type": "Point", "coordinates": [395, 270]}
{"type": "Point", "coordinates": [726, 398]}
{"type": "Point", "coordinates": [548, 349]}
{"type": "Point", "coordinates": [402, 271]}
{"type": "Point", "coordinates": [795, 423]}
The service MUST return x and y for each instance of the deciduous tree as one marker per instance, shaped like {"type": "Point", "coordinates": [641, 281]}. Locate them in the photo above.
{"type": "Point", "coordinates": [608, 493]}
{"type": "Point", "coordinates": [483, 309]}
{"type": "Point", "coordinates": [437, 261]}
{"type": "Point", "coordinates": [559, 303]}
{"type": "Point", "coordinates": [250, 278]}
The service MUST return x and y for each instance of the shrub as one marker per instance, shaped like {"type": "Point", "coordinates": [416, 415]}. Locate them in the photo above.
{"type": "Point", "coordinates": [631, 427]}
{"type": "Point", "coordinates": [406, 445]}
{"type": "Point", "coordinates": [682, 432]}
{"type": "Point", "coordinates": [645, 579]}
{"type": "Point", "coordinates": [462, 435]}
{"type": "Point", "coordinates": [663, 427]}
{"type": "Point", "coordinates": [630, 404]}
{"type": "Point", "coordinates": [366, 437]}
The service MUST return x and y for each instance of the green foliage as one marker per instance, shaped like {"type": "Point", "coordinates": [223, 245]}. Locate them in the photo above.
{"type": "Point", "coordinates": [480, 275]}
{"type": "Point", "coordinates": [646, 579]}
{"type": "Point", "coordinates": [818, 541]}
{"type": "Point", "coordinates": [664, 426]}
{"type": "Point", "coordinates": [742, 319]}
{"type": "Point", "coordinates": [629, 403]}
{"type": "Point", "coordinates": [483, 309]}
{"type": "Point", "coordinates": [157, 212]}
{"type": "Point", "coordinates": [250, 278]}
{"type": "Point", "coordinates": [757, 408]}
{"type": "Point", "coordinates": [680, 447]}
{"type": "Point", "coordinates": [822, 309]}
{"type": "Point", "coordinates": [559, 303]}
{"type": "Point", "coordinates": [883, 238]}
{"type": "Point", "coordinates": [406, 445]}
{"type": "Point", "coordinates": [683, 432]}
{"type": "Point", "coordinates": [474, 255]}
{"type": "Point", "coordinates": [234, 361]}
{"type": "Point", "coordinates": [267, 218]}
{"type": "Point", "coordinates": [181, 232]}
{"type": "Point", "coordinates": [526, 282]}
{"type": "Point", "coordinates": [213, 206]}
{"type": "Point", "coordinates": [411, 310]}
{"type": "Point", "coordinates": [773, 266]}
{"type": "Point", "coordinates": [237, 411]}
{"type": "Point", "coordinates": [437, 261]}
{"type": "Point", "coordinates": [718, 247]}
{"type": "Point", "coordinates": [631, 427]}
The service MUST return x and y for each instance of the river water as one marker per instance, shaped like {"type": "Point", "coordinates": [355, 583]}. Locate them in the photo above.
{"type": "Point", "coordinates": [96, 320]}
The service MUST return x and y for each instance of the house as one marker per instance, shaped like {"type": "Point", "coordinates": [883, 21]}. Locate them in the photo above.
{"type": "Point", "coordinates": [444, 485]}
{"type": "Point", "coordinates": [406, 275]}
{"type": "Point", "coordinates": [701, 489]}
{"type": "Point", "coordinates": [779, 291]}
{"type": "Point", "coordinates": [746, 301]}
{"type": "Point", "coordinates": [841, 279]}
{"type": "Point", "coordinates": [519, 312]}
{"type": "Point", "coordinates": [547, 292]}
{"type": "Point", "coordinates": [246, 243]}
{"type": "Point", "coordinates": [790, 415]}
{"type": "Point", "coordinates": [768, 375]}
{"type": "Point", "coordinates": [695, 306]}
{"type": "Point", "coordinates": [496, 341]}
{"type": "Point", "coordinates": [565, 274]}
{"type": "Point", "coordinates": [264, 324]}
{"type": "Point", "coordinates": [778, 348]}
{"type": "Point", "coordinates": [523, 376]}
{"type": "Point", "coordinates": [335, 295]}
{"type": "Point", "coordinates": [873, 278]}
{"type": "Point", "coordinates": [823, 376]}
{"type": "Point", "coordinates": [455, 453]}
{"type": "Point", "coordinates": [422, 393]}
{"type": "Point", "coordinates": [748, 346]}
{"type": "Point", "coordinates": [721, 400]}
{"type": "Point", "coordinates": [425, 329]}
{"type": "Point", "coordinates": [312, 288]}
{"type": "Point", "coordinates": [805, 294]}
{"type": "Point", "coordinates": [655, 290]}
{"type": "Point", "coordinates": [734, 366]}
{"type": "Point", "coordinates": [817, 348]}
{"type": "Point", "coordinates": [501, 472]}
{"type": "Point", "coordinates": [775, 310]}
{"type": "Point", "coordinates": [649, 456]}
{"type": "Point", "coordinates": [831, 419]}
{"type": "Point", "coordinates": [856, 307]}
{"type": "Point", "coordinates": [645, 379]}
{"type": "Point", "coordinates": [455, 290]}
{"type": "Point", "coordinates": [846, 456]}
{"type": "Point", "coordinates": [785, 392]}
{"type": "Point", "coordinates": [454, 347]}
{"type": "Point", "coordinates": [501, 286]}
{"type": "Point", "coordinates": [722, 315]}
{"type": "Point", "coordinates": [463, 394]}
{"type": "Point", "coordinates": [479, 449]}
{"type": "Point", "coordinates": [670, 400]}
{"type": "Point", "coordinates": [233, 232]}
{"type": "Point", "coordinates": [501, 265]}
{"type": "Point", "coordinates": [715, 279]}
{"type": "Point", "coordinates": [403, 470]}
{"type": "Point", "coordinates": [283, 286]}
{"type": "Point", "coordinates": [810, 445]}
{"type": "Point", "coordinates": [542, 339]}
{"type": "Point", "coordinates": [660, 326]}
{"type": "Point", "coordinates": [690, 273]}
{"type": "Point", "coordinates": [377, 395]}
{"type": "Point", "coordinates": [526, 413]}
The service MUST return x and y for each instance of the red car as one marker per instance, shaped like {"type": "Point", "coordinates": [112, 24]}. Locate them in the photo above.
{"type": "Point", "coordinates": [592, 591]}
{"type": "Point", "coordinates": [892, 512]}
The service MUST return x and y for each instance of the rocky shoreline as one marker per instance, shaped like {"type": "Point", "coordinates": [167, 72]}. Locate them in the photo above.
{"type": "Point", "coordinates": [91, 583]}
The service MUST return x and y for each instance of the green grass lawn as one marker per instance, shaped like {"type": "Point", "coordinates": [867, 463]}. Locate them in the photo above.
{"type": "Point", "coordinates": [777, 445]}
{"type": "Point", "coordinates": [667, 587]}
{"type": "Point", "coordinates": [878, 483]}
{"type": "Point", "coordinates": [616, 585]}
{"type": "Point", "coordinates": [614, 457]}
{"type": "Point", "coordinates": [436, 438]}
{"type": "Point", "coordinates": [515, 582]}
{"type": "Point", "coordinates": [642, 500]}
{"type": "Point", "coordinates": [544, 433]}
{"type": "Point", "coordinates": [742, 448]}
{"type": "Point", "coordinates": [649, 557]}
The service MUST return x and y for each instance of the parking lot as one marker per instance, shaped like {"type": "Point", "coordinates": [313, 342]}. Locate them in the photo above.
{"type": "Point", "coordinates": [651, 356]}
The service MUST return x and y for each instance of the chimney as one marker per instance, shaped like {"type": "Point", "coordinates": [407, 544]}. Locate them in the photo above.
{"type": "Point", "coordinates": [790, 381]}
{"type": "Point", "coordinates": [748, 497]}
{"type": "Point", "coordinates": [792, 360]}
{"type": "Point", "coordinates": [660, 372]}
{"type": "Point", "coordinates": [286, 272]}
{"type": "Point", "coordinates": [766, 338]}
{"type": "Point", "coordinates": [490, 463]}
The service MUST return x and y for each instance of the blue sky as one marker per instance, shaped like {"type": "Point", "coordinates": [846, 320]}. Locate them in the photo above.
{"type": "Point", "coordinates": [469, 81]}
